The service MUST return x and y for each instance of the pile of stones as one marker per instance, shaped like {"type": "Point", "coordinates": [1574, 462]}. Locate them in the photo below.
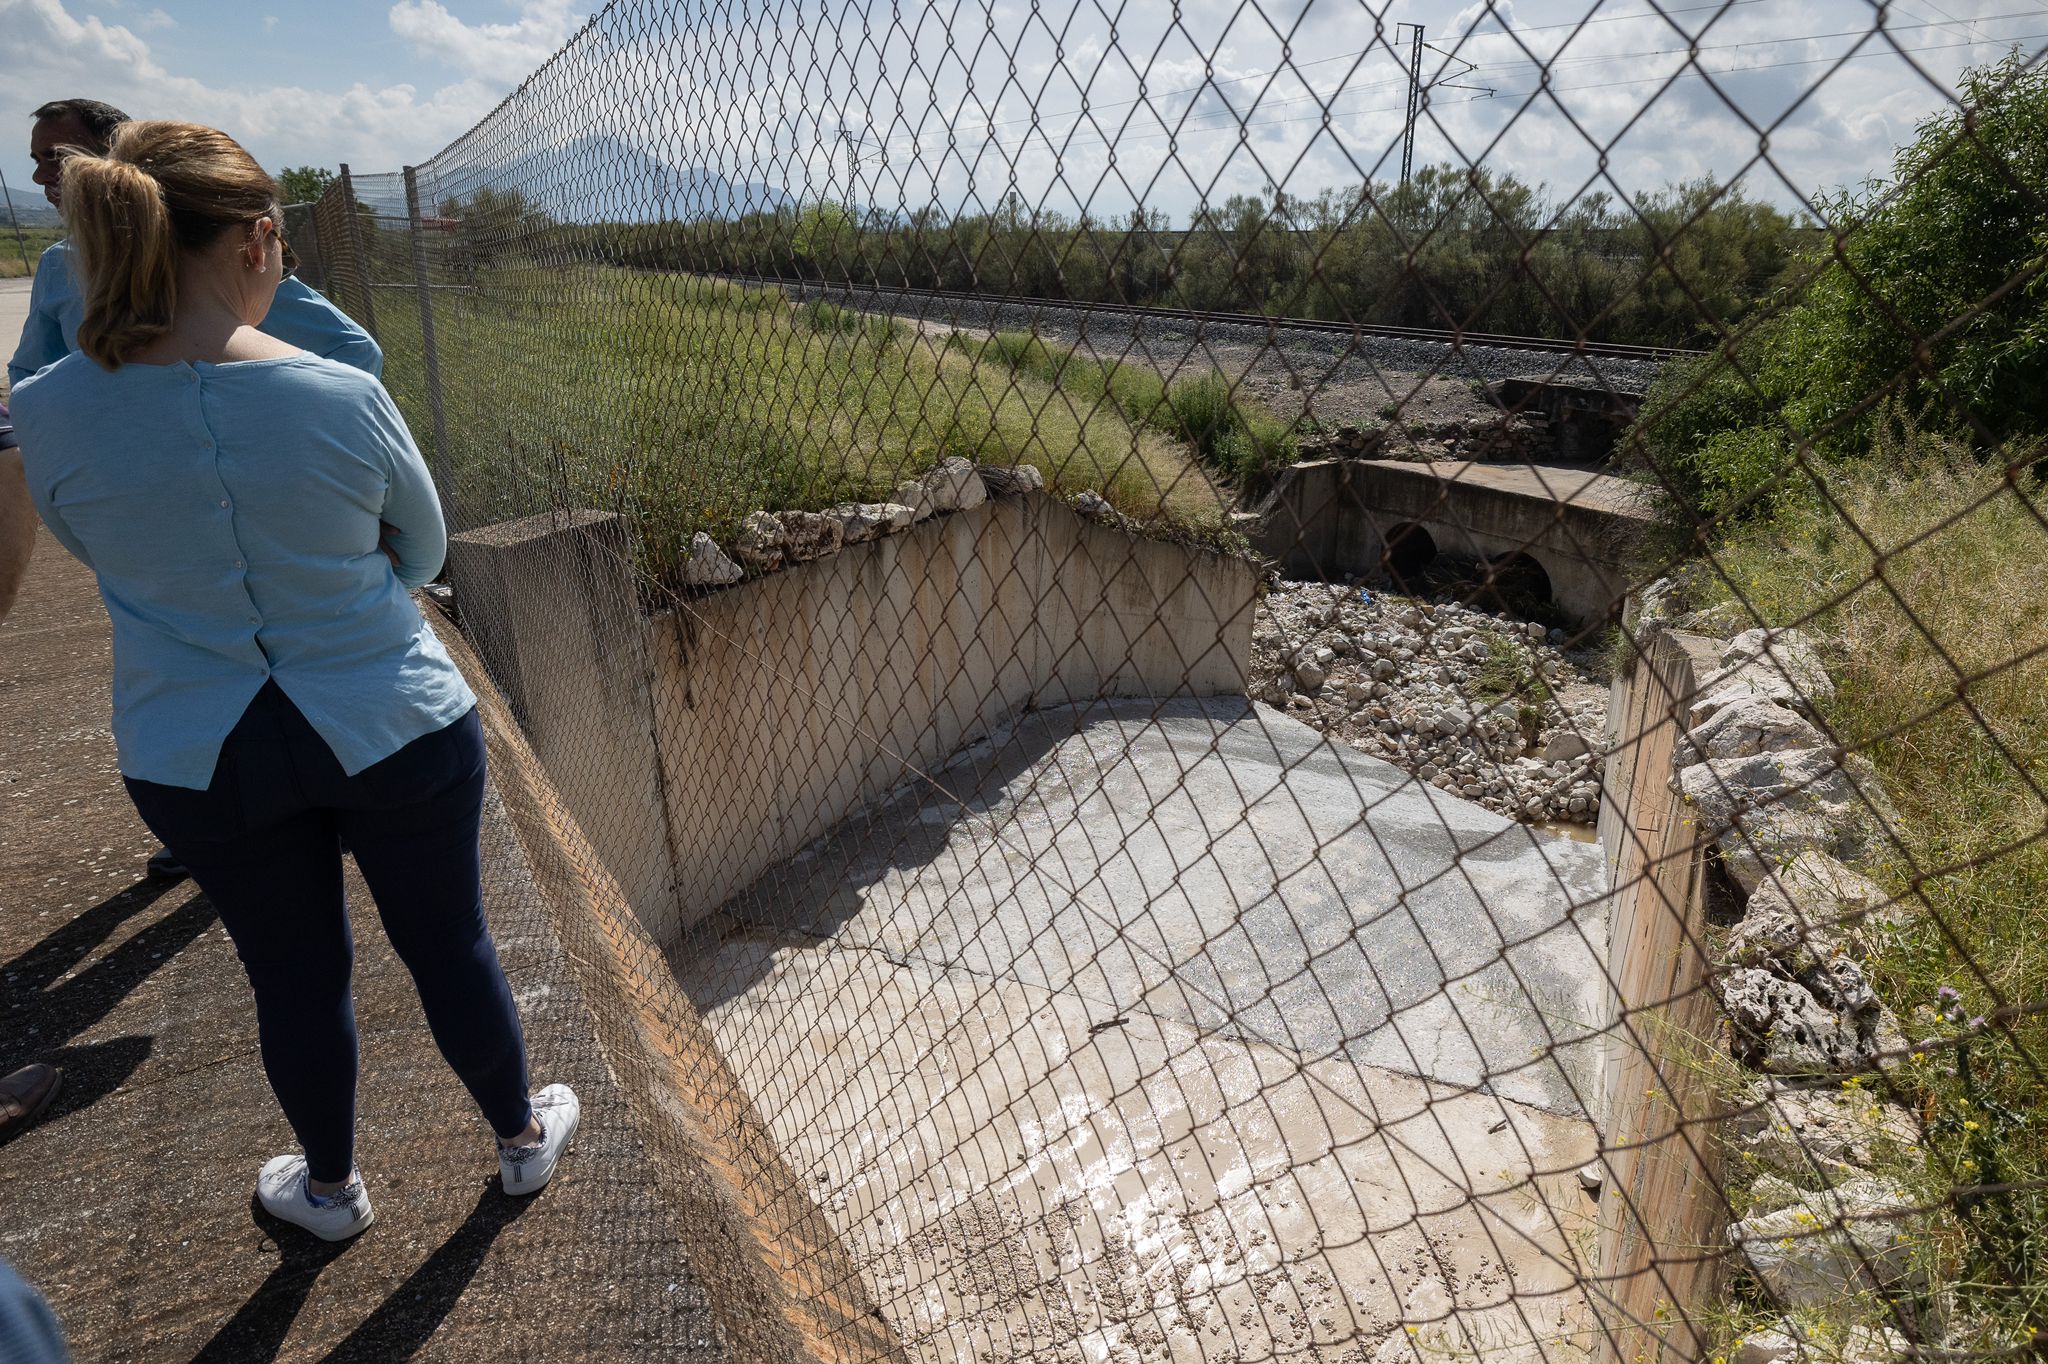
{"type": "Point", "coordinates": [1512, 438]}
{"type": "Point", "coordinates": [1419, 684]}
{"type": "Point", "coordinates": [1832, 1229]}
{"type": "Point", "coordinates": [771, 540]}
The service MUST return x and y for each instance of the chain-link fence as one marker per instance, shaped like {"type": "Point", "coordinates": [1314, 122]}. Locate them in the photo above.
{"type": "Point", "coordinates": [1237, 733]}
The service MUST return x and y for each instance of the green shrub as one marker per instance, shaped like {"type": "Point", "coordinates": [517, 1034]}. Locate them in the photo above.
{"type": "Point", "coordinates": [1949, 252]}
{"type": "Point", "coordinates": [830, 319]}
{"type": "Point", "coordinates": [1240, 440]}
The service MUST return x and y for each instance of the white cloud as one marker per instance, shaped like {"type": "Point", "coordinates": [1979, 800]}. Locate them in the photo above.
{"type": "Point", "coordinates": [270, 23]}
{"type": "Point", "coordinates": [154, 20]}
{"type": "Point", "coordinates": [503, 52]}
{"type": "Point", "coordinates": [374, 127]}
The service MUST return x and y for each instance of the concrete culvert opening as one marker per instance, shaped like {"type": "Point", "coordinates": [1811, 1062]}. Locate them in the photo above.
{"type": "Point", "coordinates": [1409, 550]}
{"type": "Point", "coordinates": [1518, 585]}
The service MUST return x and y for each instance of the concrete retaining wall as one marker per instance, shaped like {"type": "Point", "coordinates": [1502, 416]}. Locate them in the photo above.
{"type": "Point", "coordinates": [1662, 1216]}
{"type": "Point", "coordinates": [702, 746]}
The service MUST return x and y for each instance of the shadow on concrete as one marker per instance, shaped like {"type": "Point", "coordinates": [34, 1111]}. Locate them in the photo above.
{"type": "Point", "coordinates": [806, 901]}
{"type": "Point", "coordinates": [44, 1010]}
{"type": "Point", "coordinates": [258, 1328]}
{"type": "Point", "coordinates": [401, 1324]}
{"type": "Point", "coordinates": [403, 1321]}
{"type": "Point", "coordinates": [91, 1073]}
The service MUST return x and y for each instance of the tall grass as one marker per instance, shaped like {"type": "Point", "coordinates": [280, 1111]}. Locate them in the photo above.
{"type": "Point", "coordinates": [1238, 438]}
{"type": "Point", "coordinates": [1928, 574]}
{"type": "Point", "coordinates": [685, 403]}
{"type": "Point", "coordinates": [830, 319]}
{"type": "Point", "coordinates": [18, 254]}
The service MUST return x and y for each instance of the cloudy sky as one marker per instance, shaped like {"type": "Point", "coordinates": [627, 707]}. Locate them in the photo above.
{"type": "Point", "coordinates": [938, 106]}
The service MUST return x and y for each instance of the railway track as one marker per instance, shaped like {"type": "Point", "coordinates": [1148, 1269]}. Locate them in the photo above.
{"type": "Point", "coordinates": [1441, 336]}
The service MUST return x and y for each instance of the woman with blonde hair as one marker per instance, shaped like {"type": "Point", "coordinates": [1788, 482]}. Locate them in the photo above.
{"type": "Point", "coordinates": [256, 516]}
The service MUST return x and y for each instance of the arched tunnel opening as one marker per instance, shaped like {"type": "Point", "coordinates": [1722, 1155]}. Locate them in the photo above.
{"type": "Point", "coordinates": [1517, 584]}
{"type": "Point", "coordinates": [1408, 551]}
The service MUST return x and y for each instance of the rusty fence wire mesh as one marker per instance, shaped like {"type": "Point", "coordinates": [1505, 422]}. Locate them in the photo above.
{"type": "Point", "coordinates": [1261, 682]}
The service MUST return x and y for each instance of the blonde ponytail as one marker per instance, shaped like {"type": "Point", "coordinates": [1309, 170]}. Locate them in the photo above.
{"type": "Point", "coordinates": [162, 190]}
{"type": "Point", "coordinates": [127, 253]}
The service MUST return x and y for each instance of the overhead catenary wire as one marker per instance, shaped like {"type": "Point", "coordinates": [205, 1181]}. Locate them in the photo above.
{"type": "Point", "coordinates": [1062, 145]}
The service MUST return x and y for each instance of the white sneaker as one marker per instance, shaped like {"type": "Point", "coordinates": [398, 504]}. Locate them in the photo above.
{"type": "Point", "coordinates": [527, 1169]}
{"type": "Point", "coordinates": [281, 1188]}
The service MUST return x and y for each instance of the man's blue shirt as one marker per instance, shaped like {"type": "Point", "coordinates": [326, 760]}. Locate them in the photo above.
{"type": "Point", "coordinates": [233, 516]}
{"type": "Point", "coordinates": [298, 317]}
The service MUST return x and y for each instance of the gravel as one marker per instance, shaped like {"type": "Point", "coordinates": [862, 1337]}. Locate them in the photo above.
{"type": "Point", "coordinates": [1176, 344]}
{"type": "Point", "coordinates": [1418, 684]}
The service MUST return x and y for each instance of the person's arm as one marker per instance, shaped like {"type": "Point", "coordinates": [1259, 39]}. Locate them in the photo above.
{"type": "Point", "coordinates": [414, 533]}
{"type": "Point", "coordinates": [35, 506]}
{"type": "Point", "coordinates": [300, 316]}
{"type": "Point", "coordinates": [42, 337]}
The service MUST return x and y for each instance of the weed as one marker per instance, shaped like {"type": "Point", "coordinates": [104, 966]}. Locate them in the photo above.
{"type": "Point", "coordinates": [1940, 656]}
{"type": "Point", "coordinates": [695, 401]}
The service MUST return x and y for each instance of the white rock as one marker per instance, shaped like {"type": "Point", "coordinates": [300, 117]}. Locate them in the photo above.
{"type": "Point", "coordinates": [1746, 727]}
{"type": "Point", "coordinates": [860, 521]}
{"type": "Point", "coordinates": [913, 494]}
{"type": "Point", "coordinates": [1779, 666]}
{"type": "Point", "coordinates": [1722, 788]}
{"type": "Point", "coordinates": [1779, 1027]}
{"type": "Point", "coordinates": [1809, 910]}
{"type": "Point", "coordinates": [955, 486]}
{"type": "Point", "coordinates": [1823, 891]}
{"type": "Point", "coordinates": [1564, 745]}
{"type": "Point", "coordinates": [761, 541]}
{"type": "Point", "coordinates": [1831, 1243]}
{"type": "Point", "coordinates": [708, 565]}
{"type": "Point", "coordinates": [1817, 1136]}
{"type": "Point", "coordinates": [1763, 840]}
{"type": "Point", "coordinates": [809, 535]}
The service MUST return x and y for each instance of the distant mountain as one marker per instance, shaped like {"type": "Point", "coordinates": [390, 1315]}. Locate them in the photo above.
{"type": "Point", "coordinates": [30, 210]}
{"type": "Point", "coordinates": [602, 178]}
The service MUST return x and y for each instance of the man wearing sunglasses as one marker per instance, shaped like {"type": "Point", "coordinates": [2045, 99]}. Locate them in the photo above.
{"type": "Point", "coordinates": [299, 316]}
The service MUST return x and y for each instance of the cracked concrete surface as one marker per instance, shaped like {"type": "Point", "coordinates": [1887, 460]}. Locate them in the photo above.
{"type": "Point", "coordinates": [1161, 1034]}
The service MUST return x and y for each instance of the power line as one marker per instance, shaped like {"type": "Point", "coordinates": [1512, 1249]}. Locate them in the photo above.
{"type": "Point", "coordinates": [1361, 52]}
{"type": "Point", "coordinates": [1092, 140]}
{"type": "Point", "coordinates": [909, 141]}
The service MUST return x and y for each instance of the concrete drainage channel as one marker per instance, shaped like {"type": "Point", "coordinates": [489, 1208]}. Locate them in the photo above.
{"type": "Point", "coordinates": [1141, 1020]}
{"type": "Point", "coordinates": [1168, 1025]}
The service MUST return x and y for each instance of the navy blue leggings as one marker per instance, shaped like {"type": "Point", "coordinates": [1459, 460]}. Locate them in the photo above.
{"type": "Point", "coordinates": [264, 842]}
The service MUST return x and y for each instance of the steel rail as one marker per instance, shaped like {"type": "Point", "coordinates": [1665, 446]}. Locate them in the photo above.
{"type": "Point", "coordinates": [1455, 338]}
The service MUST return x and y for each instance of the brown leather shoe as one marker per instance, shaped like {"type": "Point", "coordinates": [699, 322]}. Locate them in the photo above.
{"type": "Point", "coordinates": [26, 1093]}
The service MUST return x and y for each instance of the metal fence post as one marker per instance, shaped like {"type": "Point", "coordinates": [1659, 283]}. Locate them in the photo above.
{"type": "Point", "coordinates": [360, 251]}
{"type": "Point", "coordinates": [20, 242]}
{"type": "Point", "coordinates": [428, 351]}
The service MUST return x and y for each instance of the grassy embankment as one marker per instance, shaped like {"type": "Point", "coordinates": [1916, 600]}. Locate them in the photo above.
{"type": "Point", "coordinates": [1938, 640]}
{"type": "Point", "coordinates": [685, 403]}
{"type": "Point", "coordinates": [1238, 439]}
{"type": "Point", "coordinates": [1868, 467]}
{"type": "Point", "coordinates": [31, 242]}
